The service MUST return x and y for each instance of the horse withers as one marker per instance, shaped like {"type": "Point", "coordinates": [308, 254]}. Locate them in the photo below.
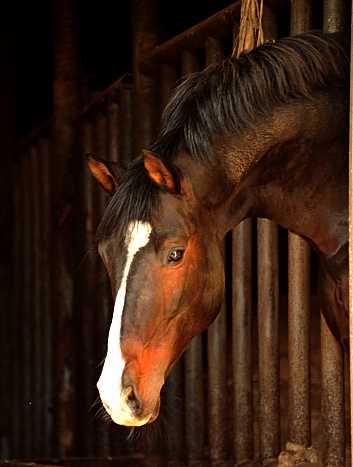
{"type": "Point", "coordinates": [264, 135]}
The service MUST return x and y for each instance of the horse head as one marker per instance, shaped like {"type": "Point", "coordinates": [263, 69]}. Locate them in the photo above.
{"type": "Point", "coordinates": [161, 251]}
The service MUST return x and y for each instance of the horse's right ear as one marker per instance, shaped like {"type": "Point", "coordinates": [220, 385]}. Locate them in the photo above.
{"type": "Point", "coordinates": [107, 173]}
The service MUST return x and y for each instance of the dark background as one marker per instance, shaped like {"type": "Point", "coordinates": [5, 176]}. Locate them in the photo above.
{"type": "Point", "coordinates": [26, 52]}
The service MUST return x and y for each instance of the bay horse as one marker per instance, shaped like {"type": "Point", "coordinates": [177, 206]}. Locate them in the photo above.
{"type": "Point", "coordinates": [264, 135]}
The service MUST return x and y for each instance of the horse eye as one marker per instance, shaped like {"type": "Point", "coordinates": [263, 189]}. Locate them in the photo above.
{"type": "Point", "coordinates": [175, 256]}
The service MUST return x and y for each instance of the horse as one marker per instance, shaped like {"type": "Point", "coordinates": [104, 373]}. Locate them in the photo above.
{"type": "Point", "coordinates": [263, 135]}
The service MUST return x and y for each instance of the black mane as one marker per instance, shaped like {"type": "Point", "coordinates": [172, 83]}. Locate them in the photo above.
{"type": "Point", "coordinates": [228, 98]}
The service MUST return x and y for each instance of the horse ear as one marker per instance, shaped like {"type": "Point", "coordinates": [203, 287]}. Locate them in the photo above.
{"type": "Point", "coordinates": [161, 171]}
{"type": "Point", "coordinates": [107, 173]}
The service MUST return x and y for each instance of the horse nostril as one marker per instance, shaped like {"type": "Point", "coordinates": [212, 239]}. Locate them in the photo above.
{"type": "Point", "coordinates": [133, 400]}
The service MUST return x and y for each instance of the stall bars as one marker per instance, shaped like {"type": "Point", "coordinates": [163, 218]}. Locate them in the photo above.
{"type": "Point", "coordinates": [216, 410]}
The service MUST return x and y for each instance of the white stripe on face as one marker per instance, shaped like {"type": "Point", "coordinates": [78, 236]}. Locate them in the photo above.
{"type": "Point", "coordinates": [109, 383]}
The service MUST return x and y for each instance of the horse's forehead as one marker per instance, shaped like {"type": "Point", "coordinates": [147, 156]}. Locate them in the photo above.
{"type": "Point", "coordinates": [137, 236]}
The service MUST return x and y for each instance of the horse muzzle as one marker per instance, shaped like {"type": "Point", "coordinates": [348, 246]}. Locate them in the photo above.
{"type": "Point", "coordinates": [126, 406]}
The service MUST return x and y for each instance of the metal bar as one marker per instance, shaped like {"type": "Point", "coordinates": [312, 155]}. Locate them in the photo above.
{"type": "Point", "coordinates": [218, 412]}
{"type": "Point", "coordinates": [26, 311]}
{"type": "Point", "coordinates": [17, 274]}
{"type": "Point", "coordinates": [36, 338]}
{"type": "Point", "coordinates": [243, 444]}
{"type": "Point", "coordinates": [301, 18]}
{"type": "Point", "coordinates": [102, 301]}
{"type": "Point", "coordinates": [172, 393]}
{"type": "Point", "coordinates": [125, 120]}
{"type": "Point", "coordinates": [46, 317]}
{"type": "Point", "coordinates": [168, 80]}
{"type": "Point", "coordinates": [195, 416]}
{"type": "Point", "coordinates": [332, 362]}
{"type": "Point", "coordinates": [146, 33]}
{"type": "Point", "coordinates": [299, 299]}
{"type": "Point", "coordinates": [299, 341]}
{"type": "Point", "coordinates": [332, 399]}
{"type": "Point", "coordinates": [270, 24]}
{"type": "Point", "coordinates": [335, 18]}
{"type": "Point", "coordinates": [67, 99]}
{"type": "Point", "coordinates": [119, 115]}
{"type": "Point", "coordinates": [84, 300]}
{"type": "Point", "coordinates": [351, 241]}
{"type": "Point", "coordinates": [268, 306]}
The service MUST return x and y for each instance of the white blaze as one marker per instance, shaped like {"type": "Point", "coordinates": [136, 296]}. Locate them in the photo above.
{"type": "Point", "coordinates": [109, 383]}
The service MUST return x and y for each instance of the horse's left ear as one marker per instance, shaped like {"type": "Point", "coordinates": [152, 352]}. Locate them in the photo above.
{"type": "Point", "coordinates": [161, 171]}
{"type": "Point", "coordinates": [107, 173]}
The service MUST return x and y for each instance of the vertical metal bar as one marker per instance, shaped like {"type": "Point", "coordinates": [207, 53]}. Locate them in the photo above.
{"type": "Point", "coordinates": [243, 444]}
{"type": "Point", "coordinates": [119, 149]}
{"type": "Point", "coordinates": [172, 392]}
{"type": "Point", "coordinates": [332, 399]}
{"type": "Point", "coordinates": [17, 273]}
{"type": "Point", "coordinates": [26, 311]}
{"type": "Point", "coordinates": [67, 95]}
{"type": "Point", "coordinates": [301, 18]}
{"type": "Point", "coordinates": [46, 317]}
{"type": "Point", "coordinates": [146, 33]}
{"type": "Point", "coordinates": [268, 306]}
{"type": "Point", "coordinates": [193, 357]}
{"type": "Point", "coordinates": [351, 238]}
{"type": "Point", "coordinates": [168, 80]}
{"type": "Point", "coordinates": [299, 299]}
{"type": "Point", "coordinates": [36, 364]}
{"type": "Point", "coordinates": [85, 303]}
{"type": "Point", "coordinates": [335, 19]}
{"type": "Point", "coordinates": [299, 341]}
{"type": "Point", "coordinates": [103, 304]}
{"type": "Point", "coordinates": [125, 120]}
{"type": "Point", "coordinates": [332, 362]}
{"type": "Point", "coordinates": [269, 24]}
{"type": "Point", "coordinates": [218, 434]}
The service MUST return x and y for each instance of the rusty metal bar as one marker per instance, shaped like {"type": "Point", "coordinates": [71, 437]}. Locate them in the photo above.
{"type": "Point", "coordinates": [332, 399]}
{"type": "Point", "coordinates": [103, 301]}
{"type": "Point", "coordinates": [301, 18]}
{"type": "Point", "coordinates": [332, 362]}
{"type": "Point", "coordinates": [335, 18]}
{"type": "Point", "coordinates": [84, 300]}
{"type": "Point", "coordinates": [67, 99]}
{"type": "Point", "coordinates": [351, 241]}
{"type": "Point", "coordinates": [146, 33]}
{"type": "Point", "coordinates": [193, 358]}
{"type": "Point", "coordinates": [243, 444]}
{"type": "Point", "coordinates": [268, 306]}
{"type": "Point", "coordinates": [26, 311]}
{"type": "Point", "coordinates": [36, 338]}
{"type": "Point", "coordinates": [46, 317]}
{"type": "Point", "coordinates": [168, 80]}
{"type": "Point", "coordinates": [218, 436]}
{"type": "Point", "coordinates": [299, 341]}
{"type": "Point", "coordinates": [119, 114]}
{"type": "Point", "coordinates": [125, 120]}
{"type": "Point", "coordinates": [172, 392]}
{"type": "Point", "coordinates": [299, 299]}
{"type": "Point", "coordinates": [17, 310]}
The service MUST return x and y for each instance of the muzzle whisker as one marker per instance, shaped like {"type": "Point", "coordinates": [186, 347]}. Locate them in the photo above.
{"type": "Point", "coordinates": [96, 402]}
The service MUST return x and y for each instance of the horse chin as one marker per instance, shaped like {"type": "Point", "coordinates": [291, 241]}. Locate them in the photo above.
{"type": "Point", "coordinates": [155, 412]}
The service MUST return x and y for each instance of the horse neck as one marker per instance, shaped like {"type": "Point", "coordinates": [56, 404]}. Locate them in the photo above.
{"type": "Point", "coordinates": [292, 170]}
